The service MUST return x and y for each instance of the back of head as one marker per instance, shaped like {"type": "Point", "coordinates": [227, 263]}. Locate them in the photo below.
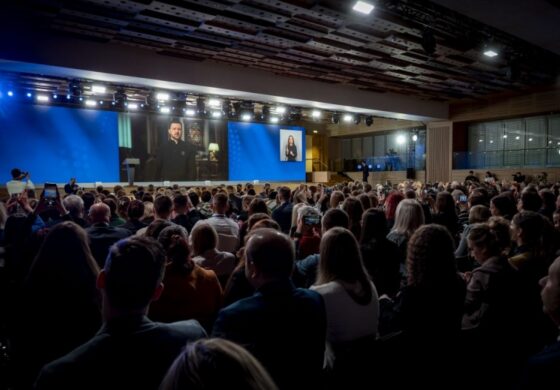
{"type": "Point", "coordinates": [340, 257]}
{"type": "Point", "coordinates": [180, 202]}
{"type": "Point", "coordinates": [133, 271]}
{"type": "Point", "coordinates": [253, 219]}
{"type": "Point", "coordinates": [135, 209]}
{"type": "Point", "coordinates": [216, 364]}
{"type": "Point", "coordinates": [99, 213]}
{"type": "Point", "coordinates": [483, 236]}
{"type": "Point", "coordinates": [155, 228]}
{"type": "Point", "coordinates": [504, 205]}
{"type": "Point", "coordinates": [221, 202]}
{"type": "Point", "coordinates": [500, 226]}
{"type": "Point", "coordinates": [272, 253]}
{"type": "Point", "coordinates": [163, 206]}
{"type": "Point", "coordinates": [174, 240]}
{"type": "Point", "coordinates": [431, 257]}
{"type": "Point", "coordinates": [530, 200]}
{"type": "Point", "coordinates": [408, 217]}
{"type": "Point", "coordinates": [75, 205]}
{"type": "Point", "coordinates": [65, 258]}
{"type": "Point", "coordinates": [479, 214]}
{"type": "Point", "coordinates": [365, 201]}
{"type": "Point", "coordinates": [354, 209]}
{"type": "Point", "coordinates": [112, 205]}
{"type": "Point", "coordinates": [264, 223]}
{"type": "Point", "coordinates": [204, 237]}
{"type": "Point", "coordinates": [258, 205]}
{"type": "Point", "coordinates": [445, 203]}
{"type": "Point", "coordinates": [284, 194]}
{"type": "Point", "coordinates": [335, 217]}
{"type": "Point", "coordinates": [374, 226]}
{"type": "Point", "coordinates": [532, 226]}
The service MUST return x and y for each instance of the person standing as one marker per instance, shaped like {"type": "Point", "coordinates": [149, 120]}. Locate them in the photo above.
{"type": "Point", "coordinates": [365, 171]}
{"type": "Point", "coordinates": [291, 149]}
{"type": "Point", "coordinates": [176, 157]}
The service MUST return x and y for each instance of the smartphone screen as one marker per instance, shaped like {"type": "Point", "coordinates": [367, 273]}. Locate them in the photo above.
{"type": "Point", "coordinates": [312, 219]}
{"type": "Point", "coordinates": [463, 198]}
{"type": "Point", "coordinates": [50, 191]}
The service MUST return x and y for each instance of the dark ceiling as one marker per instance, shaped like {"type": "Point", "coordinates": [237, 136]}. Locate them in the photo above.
{"type": "Point", "coordinates": [318, 40]}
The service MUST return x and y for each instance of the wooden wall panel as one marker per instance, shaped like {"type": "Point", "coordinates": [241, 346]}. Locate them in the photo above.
{"type": "Point", "coordinates": [507, 107]}
{"type": "Point", "coordinates": [438, 151]}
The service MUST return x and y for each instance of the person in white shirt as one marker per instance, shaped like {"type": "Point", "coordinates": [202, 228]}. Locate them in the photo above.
{"type": "Point", "coordinates": [17, 185]}
{"type": "Point", "coordinates": [351, 300]}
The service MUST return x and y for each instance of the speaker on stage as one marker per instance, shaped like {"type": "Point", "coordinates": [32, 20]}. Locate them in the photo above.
{"type": "Point", "coordinates": [410, 173]}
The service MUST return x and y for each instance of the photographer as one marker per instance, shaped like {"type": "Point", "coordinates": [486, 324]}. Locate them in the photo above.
{"type": "Point", "coordinates": [518, 177]}
{"type": "Point", "coordinates": [17, 185]}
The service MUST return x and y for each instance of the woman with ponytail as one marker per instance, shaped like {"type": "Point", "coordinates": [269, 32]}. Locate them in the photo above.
{"type": "Point", "coordinates": [190, 291]}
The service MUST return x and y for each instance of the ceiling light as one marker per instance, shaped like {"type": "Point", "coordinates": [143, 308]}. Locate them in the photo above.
{"type": "Point", "coordinates": [215, 103]}
{"type": "Point", "coordinates": [162, 96]}
{"type": "Point", "coordinates": [90, 103]}
{"type": "Point", "coordinates": [490, 53]}
{"type": "Point", "coordinates": [401, 139]}
{"type": "Point", "coordinates": [530, 140]}
{"type": "Point", "coordinates": [55, 96]}
{"type": "Point", "coordinates": [315, 131]}
{"type": "Point", "coordinates": [480, 140]}
{"type": "Point", "coordinates": [281, 110]}
{"type": "Point", "coordinates": [517, 138]}
{"type": "Point", "coordinates": [316, 114]}
{"type": "Point", "coordinates": [28, 94]}
{"type": "Point", "coordinates": [216, 114]}
{"type": "Point", "coordinates": [246, 117]}
{"type": "Point", "coordinates": [348, 118]}
{"type": "Point", "coordinates": [98, 89]}
{"type": "Point", "coordinates": [505, 135]}
{"type": "Point", "coordinates": [10, 93]}
{"type": "Point", "coordinates": [363, 7]}
{"type": "Point", "coordinates": [414, 137]}
{"type": "Point", "coordinates": [133, 106]}
{"type": "Point", "coordinates": [42, 98]}
{"type": "Point", "coordinates": [274, 119]}
{"type": "Point", "coordinates": [190, 112]}
{"type": "Point", "coordinates": [165, 110]}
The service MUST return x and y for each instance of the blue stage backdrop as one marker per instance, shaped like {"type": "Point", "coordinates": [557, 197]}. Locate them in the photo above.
{"type": "Point", "coordinates": [56, 143]}
{"type": "Point", "coordinates": [259, 152]}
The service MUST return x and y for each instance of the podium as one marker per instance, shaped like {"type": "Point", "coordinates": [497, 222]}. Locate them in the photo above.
{"type": "Point", "coordinates": [130, 164]}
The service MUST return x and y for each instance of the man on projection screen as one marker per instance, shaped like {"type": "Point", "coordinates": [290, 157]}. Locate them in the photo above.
{"type": "Point", "coordinates": [176, 157]}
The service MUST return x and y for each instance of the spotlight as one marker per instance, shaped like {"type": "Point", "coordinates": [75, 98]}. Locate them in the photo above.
{"type": "Point", "coordinates": [274, 119]}
{"type": "Point", "coordinates": [369, 120]}
{"type": "Point", "coordinates": [43, 98]}
{"type": "Point", "coordinates": [90, 103]}
{"type": "Point", "coordinates": [162, 96]}
{"type": "Point", "coordinates": [132, 106]}
{"type": "Point", "coordinates": [214, 103]}
{"type": "Point", "coordinates": [216, 114]}
{"type": "Point", "coordinates": [401, 139]}
{"type": "Point", "coordinates": [246, 116]}
{"type": "Point", "coordinates": [165, 110]}
{"type": "Point", "coordinates": [28, 94]}
{"type": "Point", "coordinates": [10, 93]}
{"type": "Point", "coordinates": [281, 110]}
{"type": "Point", "coordinates": [335, 118]}
{"type": "Point", "coordinates": [428, 41]}
{"type": "Point", "coordinates": [55, 96]}
{"type": "Point", "coordinates": [357, 119]}
{"type": "Point", "coordinates": [490, 53]}
{"type": "Point", "coordinates": [190, 112]}
{"type": "Point", "coordinates": [316, 114]}
{"type": "Point", "coordinates": [68, 96]}
{"type": "Point", "coordinates": [347, 118]}
{"type": "Point", "coordinates": [414, 138]}
{"type": "Point", "coordinates": [98, 89]}
{"type": "Point", "coordinates": [363, 7]}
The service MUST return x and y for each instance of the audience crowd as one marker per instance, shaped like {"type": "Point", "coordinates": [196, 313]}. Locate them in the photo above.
{"type": "Point", "coordinates": [348, 286]}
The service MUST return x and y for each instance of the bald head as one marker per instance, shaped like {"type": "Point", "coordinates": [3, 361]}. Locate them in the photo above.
{"type": "Point", "coordinates": [550, 293]}
{"type": "Point", "coordinates": [271, 254]}
{"type": "Point", "coordinates": [99, 213]}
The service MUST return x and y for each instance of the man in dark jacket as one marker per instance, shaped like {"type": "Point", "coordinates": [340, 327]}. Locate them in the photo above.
{"type": "Point", "coordinates": [176, 157]}
{"type": "Point", "coordinates": [129, 351]}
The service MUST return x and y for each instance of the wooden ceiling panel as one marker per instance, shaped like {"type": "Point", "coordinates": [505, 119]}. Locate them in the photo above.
{"type": "Point", "coordinates": [314, 39]}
